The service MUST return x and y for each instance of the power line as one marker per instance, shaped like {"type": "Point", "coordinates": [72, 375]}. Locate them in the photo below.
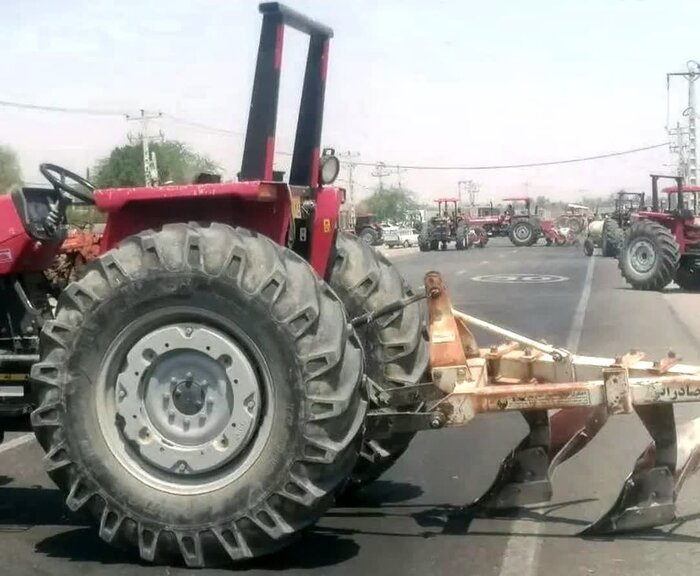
{"type": "Point", "coordinates": [526, 165]}
{"type": "Point", "coordinates": [399, 167]}
{"type": "Point", "coordinates": [199, 125]}
{"type": "Point", "coordinates": [86, 111]}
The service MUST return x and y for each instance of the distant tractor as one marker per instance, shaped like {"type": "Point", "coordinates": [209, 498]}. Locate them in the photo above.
{"type": "Point", "coordinates": [663, 244]}
{"type": "Point", "coordinates": [449, 226]}
{"type": "Point", "coordinates": [608, 234]}
{"type": "Point", "coordinates": [368, 229]}
{"type": "Point", "coordinates": [575, 218]}
{"type": "Point", "coordinates": [490, 219]}
{"type": "Point", "coordinates": [524, 224]}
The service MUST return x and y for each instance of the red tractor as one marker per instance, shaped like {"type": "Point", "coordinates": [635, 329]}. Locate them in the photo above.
{"type": "Point", "coordinates": [199, 390]}
{"type": "Point", "coordinates": [663, 245]}
{"type": "Point", "coordinates": [491, 220]}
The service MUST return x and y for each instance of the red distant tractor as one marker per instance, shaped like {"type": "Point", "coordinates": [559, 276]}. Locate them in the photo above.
{"type": "Point", "coordinates": [663, 244]}
{"type": "Point", "coordinates": [491, 220]}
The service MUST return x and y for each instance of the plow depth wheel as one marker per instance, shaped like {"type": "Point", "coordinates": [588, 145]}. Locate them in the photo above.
{"type": "Point", "coordinates": [650, 256]}
{"type": "Point", "coordinates": [522, 234]}
{"type": "Point", "coordinates": [396, 346]}
{"type": "Point", "coordinates": [221, 410]}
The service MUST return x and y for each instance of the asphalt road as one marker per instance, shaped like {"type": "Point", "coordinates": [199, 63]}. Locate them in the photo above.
{"type": "Point", "coordinates": [410, 521]}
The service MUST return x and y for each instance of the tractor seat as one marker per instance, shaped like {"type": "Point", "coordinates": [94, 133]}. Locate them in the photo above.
{"type": "Point", "coordinates": [33, 205]}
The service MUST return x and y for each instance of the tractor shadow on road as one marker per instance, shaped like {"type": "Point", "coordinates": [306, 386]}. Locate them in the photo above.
{"type": "Point", "coordinates": [451, 520]}
{"type": "Point", "coordinates": [24, 508]}
{"type": "Point", "coordinates": [37, 506]}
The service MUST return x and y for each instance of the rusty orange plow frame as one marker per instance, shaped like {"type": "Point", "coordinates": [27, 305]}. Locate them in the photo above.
{"type": "Point", "coordinates": [565, 399]}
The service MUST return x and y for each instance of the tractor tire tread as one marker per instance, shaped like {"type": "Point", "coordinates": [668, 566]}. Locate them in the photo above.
{"type": "Point", "coordinates": [396, 346]}
{"type": "Point", "coordinates": [324, 449]}
{"type": "Point", "coordinates": [668, 255]}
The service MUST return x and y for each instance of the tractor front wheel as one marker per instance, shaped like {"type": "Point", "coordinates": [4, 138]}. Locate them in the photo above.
{"type": "Point", "coordinates": [588, 247]}
{"type": "Point", "coordinates": [200, 395]}
{"type": "Point", "coordinates": [396, 346]}
{"type": "Point", "coordinates": [650, 256]}
{"type": "Point", "coordinates": [612, 239]}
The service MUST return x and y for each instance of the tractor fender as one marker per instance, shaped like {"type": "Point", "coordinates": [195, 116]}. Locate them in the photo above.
{"type": "Point", "coordinates": [269, 208]}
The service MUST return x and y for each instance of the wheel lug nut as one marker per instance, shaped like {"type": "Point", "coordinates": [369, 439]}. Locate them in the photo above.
{"type": "Point", "coordinates": [188, 375]}
{"type": "Point", "coordinates": [188, 331]}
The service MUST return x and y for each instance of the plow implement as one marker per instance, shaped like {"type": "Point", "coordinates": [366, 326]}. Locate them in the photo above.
{"type": "Point", "coordinates": [565, 400]}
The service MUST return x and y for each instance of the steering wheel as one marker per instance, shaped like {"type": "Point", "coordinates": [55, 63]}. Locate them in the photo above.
{"type": "Point", "coordinates": [57, 176]}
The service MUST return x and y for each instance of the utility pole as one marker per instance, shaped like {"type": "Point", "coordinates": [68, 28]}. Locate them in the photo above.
{"type": "Point", "coordinates": [680, 148]}
{"type": "Point", "coordinates": [150, 164]}
{"type": "Point", "coordinates": [473, 191]}
{"type": "Point", "coordinates": [400, 171]}
{"type": "Point", "coordinates": [691, 76]}
{"type": "Point", "coordinates": [348, 159]}
{"type": "Point", "coordinates": [381, 171]}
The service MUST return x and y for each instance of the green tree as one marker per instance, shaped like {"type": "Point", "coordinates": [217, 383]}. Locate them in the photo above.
{"type": "Point", "coordinates": [391, 204]}
{"type": "Point", "coordinates": [10, 173]}
{"type": "Point", "coordinates": [176, 163]}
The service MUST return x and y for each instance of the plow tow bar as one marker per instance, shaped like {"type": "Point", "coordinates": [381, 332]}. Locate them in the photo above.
{"type": "Point", "coordinates": [565, 400]}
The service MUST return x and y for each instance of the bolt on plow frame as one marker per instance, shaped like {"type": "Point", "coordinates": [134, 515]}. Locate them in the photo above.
{"type": "Point", "coordinates": [565, 400]}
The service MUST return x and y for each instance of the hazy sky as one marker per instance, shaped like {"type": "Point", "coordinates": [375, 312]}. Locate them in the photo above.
{"type": "Point", "coordinates": [429, 82]}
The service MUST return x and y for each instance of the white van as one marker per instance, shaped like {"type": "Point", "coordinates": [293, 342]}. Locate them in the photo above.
{"type": "Point", "coordinates": [394, 237]}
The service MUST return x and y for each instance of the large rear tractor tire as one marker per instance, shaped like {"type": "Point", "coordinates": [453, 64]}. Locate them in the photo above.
{"type": "Point", "coordinates": [650, 256]}
{"type": "Point", "coordinates": [200, 395]}
{"type": "Point", "coordinates": [688, 278]}
{"type": "Point", "coordinates": [396, 346]}
{"type": "Point", "coordinates": [523, 234]}
{"type": "Point", "coordinates": [612, 239]}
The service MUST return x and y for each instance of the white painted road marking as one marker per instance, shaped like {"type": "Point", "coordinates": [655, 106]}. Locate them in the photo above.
{"type": "Point", "coordinates": [484, 261]}
{"type": "Point", "coordinates": [520, 278]}
{"type": "Point", "coordinates": [521, 556]}
{"type": "Point", "coordinates": [16, 442]}
{"type": "Point", "coordinates": [574, 338]}
{"type": "Point", "coordinates": [461, 272]}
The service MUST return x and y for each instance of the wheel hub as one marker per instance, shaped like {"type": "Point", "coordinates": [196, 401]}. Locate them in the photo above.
{"type": "Point", "coordinates": [522, 232]}
{"type": "Point", "coordinates": [642, 256]}
{"type": "Point", "coordinates": [189, 399]}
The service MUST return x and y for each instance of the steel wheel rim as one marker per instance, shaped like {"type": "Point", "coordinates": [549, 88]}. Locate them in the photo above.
{"type": "Point", "coordinates": [152, 446]}
{"type": "Point", "coordinates": [642, 256]}
{"type": "Point", "coordinates": [522, 232]}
